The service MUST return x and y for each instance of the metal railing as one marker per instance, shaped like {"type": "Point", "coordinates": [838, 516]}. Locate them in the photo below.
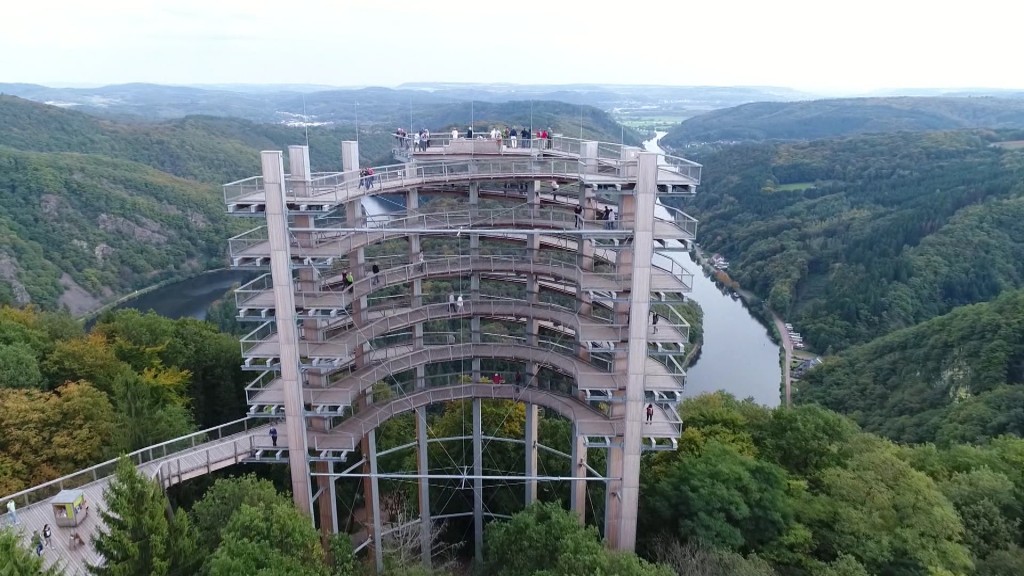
{"type": "Point", "coordinates": [211, 458]}
{"type": "Point", "coordinates": [138, 457]}
{"type": "Point", "coordinates": [374, 416]}
{"type": "Point", "coordinates": [338, 187]}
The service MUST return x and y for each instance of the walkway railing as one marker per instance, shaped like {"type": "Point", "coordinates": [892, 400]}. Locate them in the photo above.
{"type": "Point", "coordinates": [338, 186]}
{"type": "Point", "coordinates": [138, 457]}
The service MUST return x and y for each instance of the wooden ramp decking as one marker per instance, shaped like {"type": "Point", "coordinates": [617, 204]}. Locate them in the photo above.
{"type": "Point", "coordinates": [192, 462]}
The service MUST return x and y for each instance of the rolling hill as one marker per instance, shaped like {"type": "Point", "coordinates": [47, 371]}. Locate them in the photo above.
{"type": "Point", "coordinates": [78, 230]}
{"type": "Point", "coordinates": [408, 104]}
{"type": "Point", "coordinates": [93, 208]}
{"type": "Point", "coordinates": [956, 378]}
{"type": "Point", "coordinates": [815, 119]}
{"type": "Point", "coordinates": [854, 238]}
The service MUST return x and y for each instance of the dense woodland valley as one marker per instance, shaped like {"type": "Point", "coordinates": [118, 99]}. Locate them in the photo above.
{"type": "Point", "coordinates": [898, 254]}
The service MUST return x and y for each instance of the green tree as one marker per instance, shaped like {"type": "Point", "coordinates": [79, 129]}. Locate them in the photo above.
{"type": "Point", "coordinates": [343, 559]}
{"type": "Point", "coordinates": [1008, 562]}
{"type": "Point", "coordinates": [211, 514]}
{"type": "Point", "coordinates": [889, 517]}
{"type": "Point", "coordinates": [268, 542]}
{"type": "Point", "coordinates": [137, 537]}
{"type": "Point", "coordinates": [987, 505]}
{"type": "Point", "coordinates": [19, 367]}
{"type": "Point", "coordinates": [719, 497]}
{"type": "Point", "coordinates": [694, 559]}
{"type": "Point", "coordinates": [546, 539]}
{"type": "Point", "coordinates": [18, 560]}
{"type": "Point", "coordinates": [147, 413]}
{"type": "Point", "coordinates": [806, 439]}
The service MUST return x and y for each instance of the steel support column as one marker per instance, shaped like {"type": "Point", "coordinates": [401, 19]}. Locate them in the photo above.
{"type": "Point", "coordinates": [423, 468]}
{"type": "Point", "coordinates": [578, 469]}
{"type": "Point", "coordinates": [378, 544]}
{"type": "Point", "coordinates": [478, 482]}
{"type": "Point", "coordinates": [530, 445]}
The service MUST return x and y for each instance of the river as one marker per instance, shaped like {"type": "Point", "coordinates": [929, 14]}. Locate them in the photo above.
{"type": "Point", "coordinates": [188, 298]}
{"type": "Point", "coordinates": [737, 355]}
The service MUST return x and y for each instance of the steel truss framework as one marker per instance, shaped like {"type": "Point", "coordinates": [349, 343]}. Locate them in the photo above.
{"type": "Point", "coordinates": [326, 341]}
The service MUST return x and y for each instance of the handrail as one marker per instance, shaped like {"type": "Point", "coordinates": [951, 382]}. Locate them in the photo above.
{"type": "Point", "coordinates": [166, 481]}
{"type": "Point", "coordinates": [139, 457]}
{"type": "Point", "coordinates": [571, 165]}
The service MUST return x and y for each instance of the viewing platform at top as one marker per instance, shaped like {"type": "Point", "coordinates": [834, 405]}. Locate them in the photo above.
{"type": "Point", "coordinates": [606, 167]}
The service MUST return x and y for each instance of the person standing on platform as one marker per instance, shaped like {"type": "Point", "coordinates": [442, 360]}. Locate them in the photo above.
{"type": "Point", "coordinates": [469, 133]}
{"type": "Point", "coordinates": [459, 302]}
{"type": "Point", "coordinates": [455, 133]}
{"type": "Point", "coordinates": [451, 302]}
{"type": "Point", "coordinates": [650, 413]}
{"type": "Point", "coordinates": [654, 322]}
{"type": "Point", "coordinates": [376, 270]}
{"type": "Point", "coordinates": [12, 512]}
{"type": "Point", "coordinates": [47, 533]}
{"type": "Point", "coordinates": [579, 216]}
{"type": "Point", "coordinates": [273, 436]}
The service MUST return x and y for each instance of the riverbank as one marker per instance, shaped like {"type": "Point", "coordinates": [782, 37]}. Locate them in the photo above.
{"type": "Point", "coordinates": [91, 316]}
{"type": "Point", "coordinates": [768, 318]}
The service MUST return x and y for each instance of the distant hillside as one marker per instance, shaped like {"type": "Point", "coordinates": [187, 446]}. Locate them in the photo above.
{"type": "Point", "coordinates": [851, 239]}
{"type": "Point", "coordinates": [76, 230]}
{"type": "Point", "coordinates": [561, 117]}
{"type": "Point", "coordinates": [408, 104]}
{"type": "Point", "coordinates": [97, 208]}
{"type": "Point", "coordinates": [956, 378]}
{"type": "Point", "coordinates": [815, 119]}
{"type": "Point", "coordinates": [215, 150]}
{"type": "Point", "coordinates": [93, 209]}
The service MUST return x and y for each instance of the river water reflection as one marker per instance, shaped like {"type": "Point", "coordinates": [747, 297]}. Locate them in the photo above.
{"type": "Point", "coordinates": [737, 356]}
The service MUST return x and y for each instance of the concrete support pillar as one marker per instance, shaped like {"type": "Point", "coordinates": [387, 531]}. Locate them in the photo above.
{"type": "Point", "coordinates": [628, 464]}
{"type": "Point", "coordinates": [532, 418]}
{"type": "Point", "coordinates": [474, 278]}
{"type": "Point", "coordinates": [474, 200]}
{"type": "Point", "coordinates": [533, 197]}
{"type": "Point", "coordinates": [412, 205]}
{"type": "Point", "coordinates": [356, 261]}
{"type": "Point", "coordinates": [378, 529]}
{"type": "Point", "coordinates": [350, 160]}
{"type": "Point", "coordinates": [532, 329]}
{"type": "Point", "coordinates": [478, 483]}
{"type": "Point", "coordinates": [423, 468]}
{"type": "Point", "coordinates": [629, 167]}
{"type": "Point", "coordinates": [287, 330]}
{"type": "Point", "coordinates": [578, 469]}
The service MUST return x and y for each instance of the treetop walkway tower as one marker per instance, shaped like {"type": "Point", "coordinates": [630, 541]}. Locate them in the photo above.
{"type": "Point", "coordinates": [350, 334]}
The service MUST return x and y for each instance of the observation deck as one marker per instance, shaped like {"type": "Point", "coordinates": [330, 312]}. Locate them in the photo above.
{"type": "Point", "coordinates": [499, 272]}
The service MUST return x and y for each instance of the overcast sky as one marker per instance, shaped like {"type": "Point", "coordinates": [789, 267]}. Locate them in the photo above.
{"type": "Point", "coordinates": [818, 45]}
